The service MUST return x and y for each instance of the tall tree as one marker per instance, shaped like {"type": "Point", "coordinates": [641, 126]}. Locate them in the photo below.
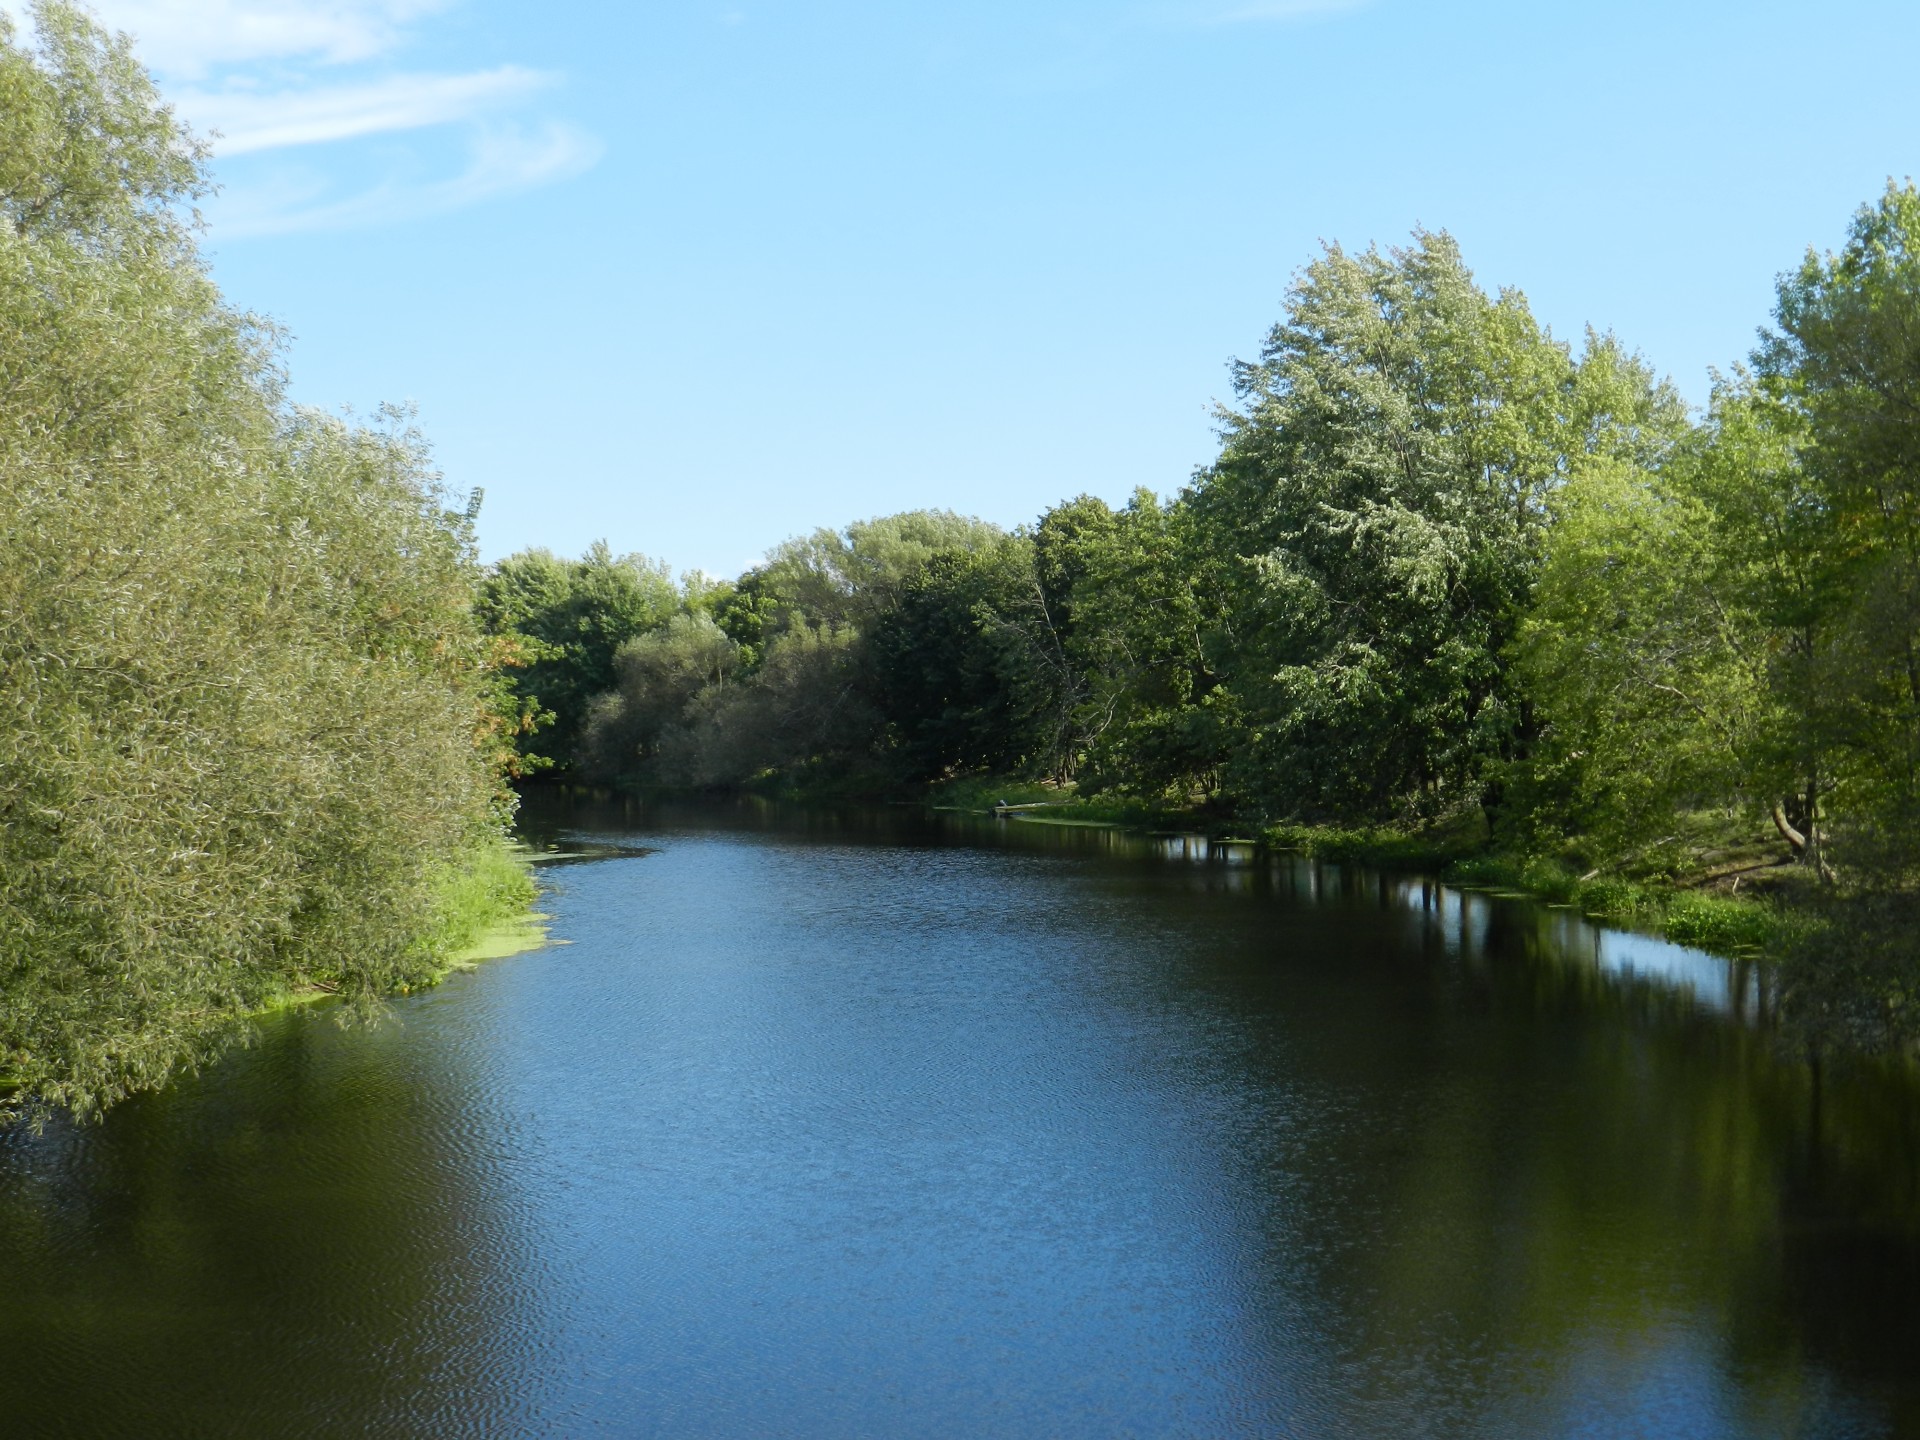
{"type": "Point", "coordinates": [1844, 363]}
{"type": "Point", "coordinates": [1382, 492]}
{"type": "Point", "coordinates": [847, 577]}
{"type": "Point", "coordinates": [1132, 593]}
{"type": "Point", "coordinates": [969, 670]}
{"type": "Point", "coordinates": [571, 618]}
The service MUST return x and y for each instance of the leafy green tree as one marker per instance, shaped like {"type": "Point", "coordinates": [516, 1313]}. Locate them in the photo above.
{"type": "Point", "coordinates": [243, 698]}
{"type": "Point", "coordinates": [570, 618]}
{"type": "Point", "coordinates": [1650, 677]}
{"type": "Point", "coordinates": [968, 669]}
{"type": "Point", "coordinates": [1844, 364]}
{"type": "Point", "coordinates": [1841, 371]}
{"type": "Point", "coordinates": [749, 614]}
{"type": "Point", "coordinates": [660, 674]}
{"type": "Point", "coordinates": [846, 577]}
{"type": "Point", "coordinates": [802, 716]}
{"type": "Point", "coordinates": [90, 157]}
{"type": "Point", "coordinates": [796, 697]}
{"type": "Point", "coordinates": [1381, 494]}
{"type": "Point", "coordinates": [1129, 593]}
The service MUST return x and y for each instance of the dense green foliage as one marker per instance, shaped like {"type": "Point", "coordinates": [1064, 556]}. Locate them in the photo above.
{"type": "Point", "coordinates": [1447, 573]}
{"type": "Point", "coordinates": [246, 719]}
{"type": "Point", "coordinates": [1381, 500]}
{"type": "Point", "coordinates": [568, 619]}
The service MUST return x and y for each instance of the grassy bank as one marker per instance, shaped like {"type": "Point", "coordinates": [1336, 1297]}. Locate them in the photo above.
{"type": "Point", "coordinates": [1687, 903]}
{"type": "Point", "coordinates": [485, 908]}
{"type": "Point", "coordinates": [482, 909]}
{"type": "Point", "coordinates": [1060, 804]}
{"type": "Point", "coordinates": [1726, 924]}
{"type": "Point", "coordinates": [1681, 905]}
{"type": "Point", "coordinates": [1428, 847]}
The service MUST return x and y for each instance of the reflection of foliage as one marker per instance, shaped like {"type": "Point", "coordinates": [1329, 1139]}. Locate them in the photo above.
{"type": "Point", "coordinates": [1564, 1163]}
{"type": "Point", "coordinates": [317, 1180]}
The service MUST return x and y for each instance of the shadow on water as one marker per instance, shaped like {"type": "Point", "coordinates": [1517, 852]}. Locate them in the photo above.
{"type": "Point", "coordinates": [311, 1238]}
{"type": "Point", "coordinates": [875, 1122]}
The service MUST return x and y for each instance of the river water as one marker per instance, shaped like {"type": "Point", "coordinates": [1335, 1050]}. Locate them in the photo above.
{"type": "Point", "coordinates": [889, 1125]}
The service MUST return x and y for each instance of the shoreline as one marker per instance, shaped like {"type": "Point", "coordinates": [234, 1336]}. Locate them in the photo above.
{"type": "Point", "coordinates": [1728, 926]}
{"type": "Point", "coordinates": [489, 914]}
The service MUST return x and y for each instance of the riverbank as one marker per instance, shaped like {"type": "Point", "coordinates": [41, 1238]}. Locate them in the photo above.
{"type": "Point", "coordinates": [1681, 905]}
{"type": "Point", "coordinates": [487, 908]}
{"type": "Point", "coordinates": [1060, 805]}
{"type": "Point", "coordinates": [482, 910]}
{"type": "Point", "coordinates": [1684, 907]}
{"type": "Point", "coordinates": [1695, 903]}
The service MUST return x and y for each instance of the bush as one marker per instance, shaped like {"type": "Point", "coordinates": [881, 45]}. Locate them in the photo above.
{"type": "Point", "coordinates": [1611, 899]}
{"type": "Point", "coordinates": [1721, 924]}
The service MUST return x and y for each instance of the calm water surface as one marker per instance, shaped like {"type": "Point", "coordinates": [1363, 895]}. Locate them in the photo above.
{"type": "Point", "coordinates": [879, 1125]}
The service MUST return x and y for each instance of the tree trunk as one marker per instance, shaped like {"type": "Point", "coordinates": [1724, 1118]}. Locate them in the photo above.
{"type": "Point", "coordinates": [1792, 836]}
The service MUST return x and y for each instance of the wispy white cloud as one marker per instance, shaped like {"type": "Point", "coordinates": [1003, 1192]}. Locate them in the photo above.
{"type": "Point", "coordinates": [500, 162]}
{"type": "Point", "coordinates": [188, 38]}
{"type": "Point", "coordinates": [273, 75]}
{"type": "Point", "coordinates": [250, 120]}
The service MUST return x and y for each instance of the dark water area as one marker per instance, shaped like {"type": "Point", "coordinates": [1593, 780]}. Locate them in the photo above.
{"type": "Point", "coordinates": [883, 1124]}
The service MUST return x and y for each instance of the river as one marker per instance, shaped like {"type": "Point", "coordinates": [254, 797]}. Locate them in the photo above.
{"type": "Point", "coordinates": [881, 1124]}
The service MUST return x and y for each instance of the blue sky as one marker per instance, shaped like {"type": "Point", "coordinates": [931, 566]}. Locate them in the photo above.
{"type": "Point", "coordinates": [696, 275]}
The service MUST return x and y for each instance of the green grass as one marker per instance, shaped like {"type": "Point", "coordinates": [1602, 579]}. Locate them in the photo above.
{"type": "Point", "coordinates": [1723, 924]}
{"type": "Point", "coordinates": [980, 793]}
{"type": "Point", "coordinates": [1383, 847]}
{"type": "Point", "coordinates": [484, 908]}
{"type": "Point", "coordinates": [1062, 805]}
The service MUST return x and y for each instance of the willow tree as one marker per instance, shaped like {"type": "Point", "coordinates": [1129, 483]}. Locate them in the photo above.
{"type": "Point", "coordinates": [241, 688]}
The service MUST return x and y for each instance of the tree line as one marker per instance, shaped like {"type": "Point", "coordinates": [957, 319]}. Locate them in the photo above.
{"type": "Point", "coordinates": [251, 731]}
{"type": "Point", "coordinates": [1444, 564]}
